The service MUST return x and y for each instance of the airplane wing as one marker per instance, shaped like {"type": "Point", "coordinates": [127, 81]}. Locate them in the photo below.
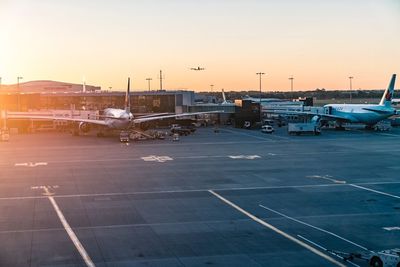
{"type": "Point", "coordinates": [155, 114]}
{"type": "Point", "coordinates": [144, 119]}
{"type": "Point", "coordinates": [98, 122]}
{"type": "Point", "coordinates": [379, 111]}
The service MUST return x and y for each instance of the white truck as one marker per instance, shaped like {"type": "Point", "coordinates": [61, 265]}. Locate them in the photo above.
{"type": "Point", "coordinates": [124, 137]}
{"type": "Point", "coordinates": [383, 258]}
{"type": "Point", "coordinates": [383, 126]}
{"type": "Point", "coordinates": [312, 127]}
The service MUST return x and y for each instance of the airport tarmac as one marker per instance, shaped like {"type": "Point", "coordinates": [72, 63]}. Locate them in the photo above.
{"type": "Point", "coordinates": [233, 198]}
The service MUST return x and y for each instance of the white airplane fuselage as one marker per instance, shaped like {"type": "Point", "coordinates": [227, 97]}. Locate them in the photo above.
{"type": "Point", "coordinates": [122, 118]}
{"type": "Point", "coordinates": [360, 113]}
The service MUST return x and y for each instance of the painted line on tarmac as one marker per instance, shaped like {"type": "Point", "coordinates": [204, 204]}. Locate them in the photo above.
{"type": "Point", "coordinates": [312, 226]}
{"type": "Point", "coordinates": [118, 226]}
{"type": "Point", "coordinates": [326, 177]}
{"type": "Point", "coordinates": [250, 135]}
{"type": "Point", "coordinates": [348, 215]}
{"type": "Point", "coordinates": [387, 134]}
{"type": "Point", "coordinates": [193, 190]}
{"type": "Point", "coordinates": [30, 164]}
{"type": "Point", "coordinates": [78, 245]}
{"type": "Point", "coordinates": [375, 191]}
{"type": "Point", "coordinates": [205, 156]}
{"type": "Point", "coordinates": [170, 191]}
{"type": "Point", "coordinates": [146, 158]}
{"type": "Point", "coordinates": [276, 230]}
{"type": "Point", "coordinates": [327, 250]}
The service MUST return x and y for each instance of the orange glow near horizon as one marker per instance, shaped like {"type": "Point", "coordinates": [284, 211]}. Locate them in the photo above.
{"type": "Point", "coordinates": [320, 44]}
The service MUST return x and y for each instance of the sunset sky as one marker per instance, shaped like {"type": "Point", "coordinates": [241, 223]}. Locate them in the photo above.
{"type": "Point", "coordinates": [319, 42]}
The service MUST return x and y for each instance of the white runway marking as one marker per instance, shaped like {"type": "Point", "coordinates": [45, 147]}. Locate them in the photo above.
{"type": "Point", "coordinates": [69, 230]}
{"type": "Point", "coordinates": [250, 135]}
{"type": "Point", "coordinates": [192, 190]}
{"type": "Point", "coordinates": [327, 177]}
{"type": "Point", "coordinates": [157, 158]}
{"type": "Point", "coordinates": [30, 164]}
{"type": "Point", "coordinates": [391, 228]}
{"type": "Point", "coordinates": [314, 227]}
{"type": "Point", "coordinates": [258, 137]}
{"type": "Point", "coordinates": [245, 157]}
{"type": "Point", "coordinates": [387, 134]}
{"type": "Point", "coordinates": [278, 231]}
{"type": "Point", "coordinates": [44, 186]}
{"type": "Point", "coordinates": [171, 191]}
{"type": "Point", "coordinates": [375, 191]}
{"type": "Point", "coordinates": [324, 249]}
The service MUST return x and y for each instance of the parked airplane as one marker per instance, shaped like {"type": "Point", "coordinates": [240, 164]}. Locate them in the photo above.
{"type": "Point", "coordinates": [223, 103]}
{"type": "Point", "coordinates": [114, 119]}
{"type": "Point", "coordinates": [270, 101]}
{"type": "Point", "coordinates": [368, 114]}
{"type": "Point", "coordinates": [198, 68]}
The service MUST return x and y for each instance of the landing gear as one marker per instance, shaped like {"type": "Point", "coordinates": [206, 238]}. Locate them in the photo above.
{"type": "Point", "coordinates": [339, 126]}
{"type": "Point", "coordinates": [370, 127]}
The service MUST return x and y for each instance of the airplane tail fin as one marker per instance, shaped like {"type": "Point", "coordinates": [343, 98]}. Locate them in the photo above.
{"type": "Point", "coordinates": [128, 97]}
{"type": "Point", "coordinates": [223, 96]}
{"type": "Point", "coordinates": [387, 97]}
{"type": "Point", "coordinates": [83, 84]}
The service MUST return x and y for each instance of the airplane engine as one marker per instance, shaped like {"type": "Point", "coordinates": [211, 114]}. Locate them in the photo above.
{"type": "Point", "coordinates": [84, 127]}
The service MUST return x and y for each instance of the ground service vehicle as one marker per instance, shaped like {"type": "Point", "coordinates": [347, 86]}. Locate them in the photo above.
{"type": "Point", "coordinates": [303, 128]}
{"type": "Point", "coordinates": [383, 126]}
{"type": "Point", "coordinates": [312, 127]}
{"type": "Point", "coordinates": [267, 129]}
{"type": "Point", "coordinates": [175, 137]}
{"type": "Point", "coordinates": [385, 258]}
{"type": "Point", "coordinates": [124, 136]}
{"type": "Point", "coordinates": [176, 128]}
{"type": "Point", "coordinates": [5, 135]}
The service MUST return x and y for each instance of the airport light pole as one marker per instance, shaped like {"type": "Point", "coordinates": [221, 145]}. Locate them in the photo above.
{"type": "Point", "coordinates": [148, 82]}
{"type": "Point", "coordinates": [291, 83]}
{"type": "Point", "coordinates": [161, 78]}
{"type": "Point", "coordinates": [0, 101]}
{"type": "Point", "coordinates": [260, 74]}
{"type": "Point", "coordinates": [19, 93]}
{"type": "Point", "coordinates": [19, 78]}
{"type": "Point", "coordinates": [351, 87]}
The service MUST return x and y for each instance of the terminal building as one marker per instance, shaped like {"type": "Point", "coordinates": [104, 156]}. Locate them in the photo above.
{"type": "Point", "coordinates": [48, 97]}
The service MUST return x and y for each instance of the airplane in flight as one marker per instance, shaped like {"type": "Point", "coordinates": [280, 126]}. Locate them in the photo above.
{"type": "Point", "coordinates": [368, 114]}
{"type": "Point", "coordinates": [112, 118]}
{"type": "Point", "coordinates": [197, 68]}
